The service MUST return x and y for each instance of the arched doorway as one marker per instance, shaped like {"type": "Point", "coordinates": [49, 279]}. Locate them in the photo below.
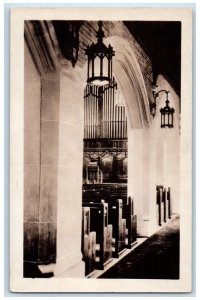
{"type": "Point", "coordinates": [141, 148]}
{"type": "Point", "coordinates": [131, 84]}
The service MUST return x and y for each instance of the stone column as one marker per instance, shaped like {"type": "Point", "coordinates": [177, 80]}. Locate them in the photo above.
{"type": "Point", "coordinates": [41, 124]}
{"type": "Point", "coordinates": [52, 160]}
{"type": "Point", "coordinates": [135, 173]}
{"type": "Point", "coordinates": [146, 173]}
{"type": "Point", "coordinates": [69, 210]}
{"type": "Point", "coordinates": [32, 104]}
{"type": "Point", "coordinates": [153, 224]}
{"type": "Point", "coordinates": [50, 108]}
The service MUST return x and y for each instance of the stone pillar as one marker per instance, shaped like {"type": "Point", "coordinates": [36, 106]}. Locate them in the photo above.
{"type": "Point", "coordinates": [54, 233]}
{"type": "Point", "coordinates": [69, 213]}
{"type": "Point", "coordinates": [146, 173]}
{"type": "Point", "coordinates": [41, 151]}
{"type": "Point", "coordinates": [153, 224]}
{"type": "Point", "coordinates": [135, 172]}
{"type": "Point", "coordinates": [53, 156]}
{"type": "Point", "coordinates": [32, 104]}
{"type": "Point", "coordinates": [50, 108]}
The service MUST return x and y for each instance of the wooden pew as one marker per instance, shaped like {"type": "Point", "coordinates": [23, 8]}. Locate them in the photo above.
{"type": "Point", "coordinates": [110, 193]}
{"type": "Point", "coordinates": [118, 195]}
{"type": "Point", "coordinates": [119, 226]}
{"type": "Point", "coordinates": [103, 191]}
{"type": "Point", "coordinates": [164, 204]}
{"type": "Point", "coordinates": [115, 209]}
{"type": "Point", "coordinates": [169, 203]}
{"type": "Point", "coordinates": [99, 225]}
{"type": "Point", "coordinates": [128, 215]}
{"type": "Point", "coordinates": [159, 190]}
{"type": "Point", "coordinates": [88, 242]}
{"type": "Point", "coordinates": [131, 222]}
{"type": "Point", "coordinates": [164, 195]}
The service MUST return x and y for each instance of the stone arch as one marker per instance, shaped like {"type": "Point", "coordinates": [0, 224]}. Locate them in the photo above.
{"type": "Point", "coordinates": [129, 77]}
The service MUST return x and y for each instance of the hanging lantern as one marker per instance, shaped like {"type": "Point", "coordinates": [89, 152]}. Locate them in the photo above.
{"type": "Point", "coordinates": [167, 112]}
{"type": "Point", "coordinates": [99, 60]}
{"type": "Point", "coordinates": [167, 115]}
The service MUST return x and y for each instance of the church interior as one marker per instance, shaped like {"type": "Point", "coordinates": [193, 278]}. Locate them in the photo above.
{"type": "Point", "coordinates": [102, 133]}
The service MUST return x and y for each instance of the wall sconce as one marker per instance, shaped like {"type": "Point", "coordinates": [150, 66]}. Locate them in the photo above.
{"type": "Point", "coordinates": [167, 112]}
{"type": "Point", "coordinates": [99, 60]}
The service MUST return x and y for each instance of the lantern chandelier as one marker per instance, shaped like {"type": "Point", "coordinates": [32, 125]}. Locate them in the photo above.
{"type": "Point", "coordinates": [167, 112]}
{"type": "Point", "coordinates": [99, 60]}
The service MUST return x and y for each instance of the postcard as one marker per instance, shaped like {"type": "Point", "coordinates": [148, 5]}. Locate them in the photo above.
{"type": "Point", "coordinates": [101, 150]}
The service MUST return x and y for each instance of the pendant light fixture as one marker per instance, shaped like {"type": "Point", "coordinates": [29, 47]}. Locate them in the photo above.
{"type": "Point", "coordinates": [99, 60]}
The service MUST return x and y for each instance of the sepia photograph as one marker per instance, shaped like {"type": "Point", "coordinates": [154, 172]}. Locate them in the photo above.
{"type": "Point", "coordinates": [101, 150]}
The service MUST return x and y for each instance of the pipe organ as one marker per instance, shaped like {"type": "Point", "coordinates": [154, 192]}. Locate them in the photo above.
{"type": "Point", "coordinates": [105, 135]}
{"type": "Point", "coordinates": [103, 116]}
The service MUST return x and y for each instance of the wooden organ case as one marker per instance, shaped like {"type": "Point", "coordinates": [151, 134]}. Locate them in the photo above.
{"type": "Point", "coordinates": [105, 136]}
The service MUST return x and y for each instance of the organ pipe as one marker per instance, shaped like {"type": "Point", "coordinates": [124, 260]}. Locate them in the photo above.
{"type": "Point", "coordinates": [108, 122]}
{"type": "Point", "coordinates": [112, 116]}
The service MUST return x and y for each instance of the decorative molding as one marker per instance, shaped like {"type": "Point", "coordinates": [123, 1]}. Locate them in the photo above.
{"type": "Point", "coordinates": [120, 154]}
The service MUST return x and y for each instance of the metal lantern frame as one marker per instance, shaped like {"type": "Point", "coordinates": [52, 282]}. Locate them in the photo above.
{"type": "Point", "coordinates": [167, 112]}
{"type": "Point", "coordinates": [167, 115]}
{"type": "Point", "coordinates": [99, 60]}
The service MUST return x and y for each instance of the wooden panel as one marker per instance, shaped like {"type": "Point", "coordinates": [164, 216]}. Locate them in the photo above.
{"type": "Point", "coordinates": [85, 225]}
{"type": "Point", "coordinates": [169, 203]}
{"type": "Point", "coordinates": [89, 251]}
{"type": "Point", "coordinates": [108, 242]}
{"type": "Point", "coordinates": [115, 218]}
{"type": "Point", "coordinates": [163, 204]}
{"type": "Point", "coordinates": [131, 221]}
{"type": "Point", "coordinates": [99, 224]}
{"type": "Point", "coordinates": [159, 203]}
